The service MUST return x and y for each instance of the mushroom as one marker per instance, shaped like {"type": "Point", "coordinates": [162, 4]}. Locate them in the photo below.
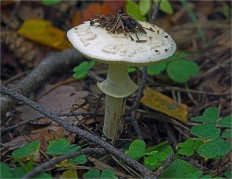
{"type": "Point", "coordinates": [120, 50]}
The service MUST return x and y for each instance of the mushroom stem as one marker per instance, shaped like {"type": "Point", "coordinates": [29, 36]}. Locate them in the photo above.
{"type": "Point", "coordinates": [117, 86]}
{"type": "Point", "coordinates": [113, 120]}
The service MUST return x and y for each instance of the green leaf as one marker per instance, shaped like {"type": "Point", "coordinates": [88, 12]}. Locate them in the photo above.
{"type": "Point", "coordinates": [82, 69]}
{"type": "Point", "coordinates": [226, 121]}
{"type": "Point", "coordinates": [196, 174]}
{"type": "Point", "coordinates": [50, 2]}
{"type": "Point", "coordinates": [154, 160]}
{"type": "Point", "coordinates": [44, 176]}
{"type": "Point", "coordinates": [92, 173]}
{"type": "Point", "coordinates": [152, 153]}
{"type": "Point", "coordinates": [27, 166]}
{"type": "Point", "coordinates": [163, 147]}
{"type": "Point", "coordinates": [132, 9]}
{"type": "Point", "coordinates": [228, 174]}
{"type": "Point", "coordinates": [165, 6]}
{"type": "Point", "coordinates": [26, 150]}
{"type": "Point", "coordinates": [186, 148]}
{"type": "Point", "coordinates": [182, 70]}
{"type": "Point", "coordinates": [61, 147]}
{"type": "Point", "coordinates": [206, 176]}
{"type": "Point", "coordinates": [84, 66]}
{"type": "Point", "coordinates": [5, 171]}
{"type": "Point", "coordinates": [144, 6]}
{"type": "Point", "coordinates": [208, 131]}
{"type": "Point", "coordinates": [162, 156]}
{"type": "Point", "coordinates": [131, 69]}
{"type": "Point", "coordinates": [108, 174]}
{"type": "Point", "coordinates": [210, 115]}
{"type": "Point", "coordinates": [151, 162]}
{"type": "Point", "coordinates": [214, 148]}
{"type": "Point", "coordinates": [227, 134]}
{"type": "Point", "coordinates": [178, 55]}
{"type": "Point", "coordinates": [156, 68]}
{"type": "Point", "coordinates": [186, 151]}
{"type": "Point", "coordinates": [136, 149]}
{"type": "Point", "coordinates": [197, 144]}
{"type": "Point", "coordinates": [80, 75]}
{"type": "Point", "coordinates": [178, 169]}
{"type": "Point", "coordinates": [81, 159]}
{"type": "Point", "coordinates": [18, 172]}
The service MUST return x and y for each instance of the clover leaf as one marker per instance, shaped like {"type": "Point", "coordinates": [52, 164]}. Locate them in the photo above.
{"type": "Point", "coordinates": [154, 160]}
{"type": "Point", "coordinates": [210, 115]}
{"type": "Point", "coordinates": [178, 169]}
{"type": "Point", "coordinates": [207, 131]}
{"type": "Point", "coordinates": [82, 69]}
{"type": "Point", "coordinates": [156, 68]}
{"type": "Point", "coordinates": [227, 134]}
{"type": "Point", "coordinates": [81, 159]}
{"type": "Point", "coordinates": [189, 147]}
{"type": "Point", "coordinates": [92, 173]}
{"type": "Point", "coordinates": [26, 150]}
{"type": "Point", "coordinates": [226, 121]}
{"type": "Point", "coordinates": [61, 147]}
{"type": "Point", "coordinates": [136, 149]}
{"type": "Point", "coordinates": [182, 70]}
{"type": "Point", "coordinates": [214, 148]}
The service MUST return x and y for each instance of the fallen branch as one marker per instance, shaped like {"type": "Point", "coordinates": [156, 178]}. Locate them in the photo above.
{"type": "Point", "coordinates": [50, 163]}
{"type": "Point", "coordinates": [51, 64]}
{"type": "Point", "coordinates": [86, 135]}
{"type": "Point", "coordinates": [133, 119]}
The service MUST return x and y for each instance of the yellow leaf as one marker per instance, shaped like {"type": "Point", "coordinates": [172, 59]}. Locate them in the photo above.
{"type": "Point", "coordinates": [69, 174]}
{"type": "Point", "coordinates": [164, 104]}
{"type": "Point", "coordinates": [43, 32]}
{"type": "Point", "coordinates": [63, 164]}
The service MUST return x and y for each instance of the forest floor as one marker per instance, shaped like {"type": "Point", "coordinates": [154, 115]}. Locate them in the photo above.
{"type": "Point", "coordinates": [206, 42]}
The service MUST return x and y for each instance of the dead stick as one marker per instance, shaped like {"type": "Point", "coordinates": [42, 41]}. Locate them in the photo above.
{"type": "Point", "coordinates": [51, 64]}
{"type": "Point", "coordinates": [133, 119]}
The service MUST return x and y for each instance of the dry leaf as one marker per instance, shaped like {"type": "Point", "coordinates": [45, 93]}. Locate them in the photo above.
{"type": "Point", "coordinates": [43, 32]}
{"type": "Point", "coordinates": [69, 174]}
{"type": "Point", "coordinates": [164, 104]}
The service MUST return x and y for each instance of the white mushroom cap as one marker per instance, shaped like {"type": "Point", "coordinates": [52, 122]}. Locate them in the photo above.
{"type": "Point", "coordinates": [98, 44]}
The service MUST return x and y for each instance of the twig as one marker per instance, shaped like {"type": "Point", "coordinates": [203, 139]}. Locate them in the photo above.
{"type": "Point", "coordinates": [168, 88]}
{"type": "Point", "coordinates": [86, 135]}
{"type": "Point", "coordinates": [155, 11]}
{"type": "Point", "coordinates": [50, 163]}
{"type": "Point", "coordinates": [51, 64]}
{"type": "Point", "coordinates": [160, 170]}
{"type": "Point", "coordinates": [134, 108]}
{"type": "Point", "coordinates": [12, 16]}
{"type": "Point", "coordinates": [42, 116]}
{"type": "Point", "coordinates": [133, 119]}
